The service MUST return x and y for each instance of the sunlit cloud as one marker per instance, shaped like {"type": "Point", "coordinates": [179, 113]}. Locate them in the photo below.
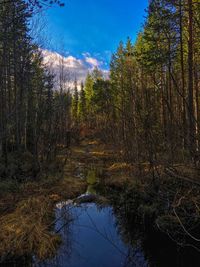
{"type": "Point", "coordinates": [93, 62]}
{"type": "Point", "coordinates": [72, 67]}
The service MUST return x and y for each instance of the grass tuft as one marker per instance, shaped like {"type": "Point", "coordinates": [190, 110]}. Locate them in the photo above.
{"type": "Point", "coordinates": [25, 231]}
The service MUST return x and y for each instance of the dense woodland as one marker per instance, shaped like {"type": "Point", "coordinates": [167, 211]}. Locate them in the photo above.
{"type": "Point", "coordinates": [33, 116]}
{"type": "Point", "coordinates": [150, 106]}
{"type": "Point", "coordinates": [148, 110]}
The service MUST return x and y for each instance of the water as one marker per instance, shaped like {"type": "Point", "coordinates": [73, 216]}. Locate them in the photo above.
{"type": "Point", "coordinates": [98, 236]}
{"type": "Point", "coordinates": [93, 240]}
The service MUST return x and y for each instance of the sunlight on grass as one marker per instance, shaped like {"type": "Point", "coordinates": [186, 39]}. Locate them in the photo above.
{"type": "Point", "coordinates": [121, 166]}
{"type": "Point", "coordinates": [25, 230]}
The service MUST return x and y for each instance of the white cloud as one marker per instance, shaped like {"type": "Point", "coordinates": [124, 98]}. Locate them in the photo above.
{"type": "Point", "coordinates": [86, 54]}
{"type": "Point", "coordinates": [71, 66]}
{"type": "Point", "coordinates": [93, 62]}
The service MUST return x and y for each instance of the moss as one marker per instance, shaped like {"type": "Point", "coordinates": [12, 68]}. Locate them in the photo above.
{"type": "Point", "coordinates": [91, 177]}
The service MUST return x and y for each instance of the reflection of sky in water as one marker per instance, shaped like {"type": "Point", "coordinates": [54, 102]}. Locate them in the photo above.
{"type": "Point", "coordinates": [92, 241]}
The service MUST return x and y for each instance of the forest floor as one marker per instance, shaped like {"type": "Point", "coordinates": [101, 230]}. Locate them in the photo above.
{"type": "Point", "coordinates": [67, 183]}
{"type": "Point", "coordinates": [26, 209]}
{"type": "Point", "coordinates": [29, 207]}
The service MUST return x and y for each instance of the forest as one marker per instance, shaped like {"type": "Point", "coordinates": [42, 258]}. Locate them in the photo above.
{"type": "Point", "coordinates": [131, 141]}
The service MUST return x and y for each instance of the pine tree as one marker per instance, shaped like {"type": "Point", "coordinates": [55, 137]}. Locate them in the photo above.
{"type": "Point", "coordinates": [75, 100]}
{"type": "Point", "coordinates": [89, 92]}
{"type": "Point", "coordinates": [15, 61]}
{"type": "Point", "coordinates": [28, 107]}
{"type": "Point", "coordinates": [82, 105]}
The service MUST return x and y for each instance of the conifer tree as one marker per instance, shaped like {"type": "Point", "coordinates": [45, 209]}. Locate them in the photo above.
{"type": "Point", "coordinates": [82, 104]}
{"type": "Point", "coordinates": [75, 101]}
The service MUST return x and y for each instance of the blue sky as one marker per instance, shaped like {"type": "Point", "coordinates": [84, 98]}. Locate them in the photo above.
{"type": "Point", "coordinates": [94, 27]}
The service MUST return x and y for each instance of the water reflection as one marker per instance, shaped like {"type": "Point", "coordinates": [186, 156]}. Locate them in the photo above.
{"type": "Point", "coordinates": [103, 237]}
{"type": "Point", "coordinates": [108, 237]}
{"type": "Point", "coordinates": [94, 241]}
{"type": "Point", "coordinates": [158, 249]}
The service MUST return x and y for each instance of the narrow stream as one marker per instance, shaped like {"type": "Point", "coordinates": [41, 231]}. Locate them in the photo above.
{"type": "Point", "coordinates": [96, 237]}
{"type": "Point", "coordinates": [92, 240]}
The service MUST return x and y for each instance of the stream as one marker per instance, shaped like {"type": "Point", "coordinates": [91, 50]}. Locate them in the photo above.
{"type": "Point", "coordinates": [92, 238]}
{"type": "Point", "coordinates": [97, 237]}
{"type": "Point", "coordinates": [94, 233]}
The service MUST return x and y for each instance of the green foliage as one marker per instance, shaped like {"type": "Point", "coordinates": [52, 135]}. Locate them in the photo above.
{"type": "Point", "coordinates": [150, 105]}
{"type": "Point", "coordinates": [91, 177]}
{"type": "Point", "coordinates": [75, 102]}
{"type": "Point", "coordinates": [89, 82]}
{"type": "Point", "coordinates": [82, 111]}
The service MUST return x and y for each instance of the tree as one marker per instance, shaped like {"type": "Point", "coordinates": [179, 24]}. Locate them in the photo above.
{"type": "Point", "coordinates": [89, 91]}
{"type": "Point", "coordinates": [82, 112]}
{"type": "Point", "coordinates": [75, 100]}
{"type": "Point", "coordinates": [31, 117]}
{"type": "Point", "coordinates": [155, 86]}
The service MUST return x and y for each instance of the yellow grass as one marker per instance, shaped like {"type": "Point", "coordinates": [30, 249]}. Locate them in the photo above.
{"type": "Point", "coordinates": [99, 154]}
{"type": "Point", "coordinates": [25, 230]}
{"type": "Point", "coordinates": [122, 166]}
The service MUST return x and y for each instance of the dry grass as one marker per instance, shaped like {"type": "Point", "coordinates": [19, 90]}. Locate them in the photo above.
{"type": "Point", "coordinates": [100, 154]}
{"type": "Point", "coordinates": [24, 227]}
{"type": "Point", "coordinates": [120, 167]}
{"type": "Point", "coordinates": [188, 171]}
{"type": "Point", "coordinates": [118, 181]}
{"type": "Point", "coordinates": [68, 188]}
{"type": "Point", "coordinates": [25, 230]}
{"type": "Point", "coordinates": [94, 142]}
